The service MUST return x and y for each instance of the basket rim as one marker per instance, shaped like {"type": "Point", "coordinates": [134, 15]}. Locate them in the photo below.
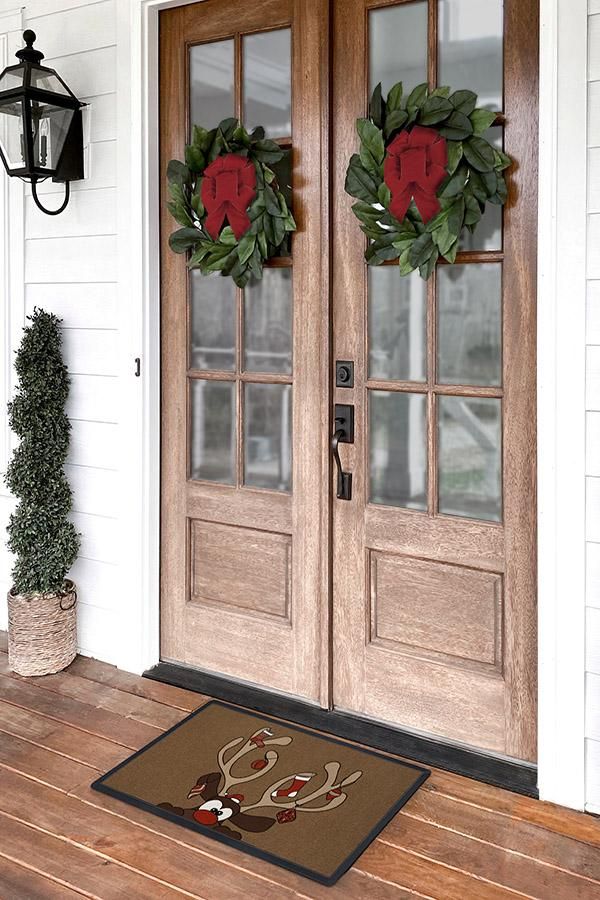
{"type": "Point", "coordinates": [69, 587]}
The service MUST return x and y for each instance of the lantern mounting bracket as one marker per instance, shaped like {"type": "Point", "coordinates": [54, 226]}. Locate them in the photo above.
{"type": "Point", "coordinates": [50, 212]}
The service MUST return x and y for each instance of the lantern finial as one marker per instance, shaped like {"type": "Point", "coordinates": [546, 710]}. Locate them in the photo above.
{"type": "Point", "coordinates": [28, 53]}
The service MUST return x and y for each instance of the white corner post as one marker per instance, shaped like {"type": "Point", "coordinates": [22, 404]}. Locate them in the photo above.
{"type": "Point", "coordinates": [561, 400]}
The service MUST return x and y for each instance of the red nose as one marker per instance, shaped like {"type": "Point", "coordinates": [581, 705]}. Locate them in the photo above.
{"type": "Point", "coordinates": [205, 817]}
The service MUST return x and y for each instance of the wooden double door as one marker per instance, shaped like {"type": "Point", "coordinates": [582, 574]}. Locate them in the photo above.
{"type": "Point", "coordinates": [413, 602]}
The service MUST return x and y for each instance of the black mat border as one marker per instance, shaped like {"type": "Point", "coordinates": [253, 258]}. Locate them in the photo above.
{"type": "Point", "coordinates": [98, 785]}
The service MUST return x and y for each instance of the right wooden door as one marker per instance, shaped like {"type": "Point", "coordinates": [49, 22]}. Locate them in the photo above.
{"type": "Point", "coordinates": [434, 575]}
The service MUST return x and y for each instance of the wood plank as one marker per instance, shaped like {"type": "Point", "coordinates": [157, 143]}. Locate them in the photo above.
{"type": "Point", "coordinates": [126, 732]}
{"type": "Point", "coordinates": [22, 883]}
{"type": "Point", "coordinates": [427, 877]}
{"type": "Point", "coordinates": [101, 696]}
{"type": "Point", "coordinates": [43, 765]}
{"type": "Point", "coordinates": [78, 867]}
{"type": "Point", "coordinates": [122, 841]}
{"type": "Point", "coordinates": [102, 673]}
{"type": "Point", "coordinates": [484, 860]}
{"type": "Point", "coordinates": [70, 742]}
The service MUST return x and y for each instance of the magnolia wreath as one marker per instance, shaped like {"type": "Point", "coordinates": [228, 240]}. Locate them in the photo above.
{"type": "Point", "coordinates": [424, 172]}
{"type": "Point", "coordinates": [227, 198]}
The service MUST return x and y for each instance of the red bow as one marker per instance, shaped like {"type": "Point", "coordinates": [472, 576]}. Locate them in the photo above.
{"type": "Point", "coordinates": [415, 166]}
{"type": "Point", "coordinates": [228, 189]}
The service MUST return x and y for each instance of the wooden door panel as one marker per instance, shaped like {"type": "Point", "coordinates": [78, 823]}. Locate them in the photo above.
{"type": "Point", "coordinates": [243, 575]}
{"type": "Point", "coordinates": [434, 606]}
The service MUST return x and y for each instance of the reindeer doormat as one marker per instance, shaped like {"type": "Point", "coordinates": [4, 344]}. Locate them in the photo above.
{"type": "Point", "coordinates": [306, 802]}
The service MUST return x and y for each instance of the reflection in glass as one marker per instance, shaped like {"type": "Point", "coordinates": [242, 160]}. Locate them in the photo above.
{"type": "Point", "coordinates": [397, 325]}
{"type": "Point", "coordinates": [470, 48]}
{"type": "Point", "coordinates": [212, 332]}
{"type": "Point", "coordinates": [398, 46]}
{"type": "Point", "coordinates": [268, 322]}
{"type": "Point", "coordinates": [268, 82]}
{"type": "Point", "coordinates": [470, 324]}
{"type": "Point", "coordinates": [213, 431]}
{"type": "Point", "coordinates": [268, 436]}
{"type": "Point", "coordinates": [211, 83]}
{"type": "Point", "coordinates": [398, 449]}
{"type": "Point", "coordinates": [12, 129]}
{"type": "Point", "coordinates": [470, 457]}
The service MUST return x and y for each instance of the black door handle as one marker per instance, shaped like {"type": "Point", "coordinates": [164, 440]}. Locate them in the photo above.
{"type": "Point", "coordinates": [344, 433]}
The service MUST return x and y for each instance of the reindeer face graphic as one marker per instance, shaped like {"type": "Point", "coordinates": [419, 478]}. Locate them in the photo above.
{"type": "Point", "coordinates": [217, 807]}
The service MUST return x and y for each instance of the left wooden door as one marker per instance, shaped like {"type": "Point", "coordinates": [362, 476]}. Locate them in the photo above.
{"type": "Point", "coordinates": [244, 372]}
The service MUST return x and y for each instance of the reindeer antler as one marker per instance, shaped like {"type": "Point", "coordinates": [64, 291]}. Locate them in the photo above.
{"type": "Point", "coordinates": [251, 744]}
{"type": "Point", "coordinates": [329, 785]}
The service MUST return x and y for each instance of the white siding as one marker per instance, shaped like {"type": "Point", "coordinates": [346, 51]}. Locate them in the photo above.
{"type": "Point", "coordinates": [68, 265]}
{"type": "Point", "coordinates": [592, 663]}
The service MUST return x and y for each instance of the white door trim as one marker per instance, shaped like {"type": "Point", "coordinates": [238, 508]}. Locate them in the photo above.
{"type": "Point", "coordinates": [561, 370]}
{"type": "Point", "coordinates": [561, 400]}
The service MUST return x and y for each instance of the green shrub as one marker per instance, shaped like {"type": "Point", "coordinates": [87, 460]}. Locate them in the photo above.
{"type": "Point", "coordinates": [40, 534]}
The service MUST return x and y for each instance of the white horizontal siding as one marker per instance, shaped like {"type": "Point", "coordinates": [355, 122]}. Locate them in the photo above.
{"type": "Point", "coordinates": [78, 305]}
{"type": "Point", "coordinates": [592, 661]}
{"type": "Point", "coordinates": [70, 268]}
{"type": "Point", "coordinates": [93, 398]}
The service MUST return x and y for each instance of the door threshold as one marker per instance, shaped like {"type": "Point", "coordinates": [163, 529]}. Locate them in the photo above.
{"type": "Point", "coordinates": [512, 775]}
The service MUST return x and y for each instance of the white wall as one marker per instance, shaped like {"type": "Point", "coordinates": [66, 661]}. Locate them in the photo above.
{"type": "Point", "coordinates": [68, 265]}
{"type": "Point", "coordinates": [592, 665]}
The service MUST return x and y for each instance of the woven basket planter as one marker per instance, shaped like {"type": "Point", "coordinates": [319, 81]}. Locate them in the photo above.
{"type": "Point", "coordinates": [42, 631]}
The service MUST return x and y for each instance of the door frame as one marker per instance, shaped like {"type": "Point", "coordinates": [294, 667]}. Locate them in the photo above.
{"type": "Point", "coordinates": [561, 339]}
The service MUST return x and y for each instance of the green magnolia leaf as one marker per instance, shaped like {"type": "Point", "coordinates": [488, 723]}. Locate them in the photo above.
{"type": "Point", "coordinates": [384, 247]}
{"type": "Point", "coordinates": [194, 158]}
{"type": "Point", "coordinates": [241, 135]}
{"type": "Point", "coordinates": [255, 264]}
{"type": "Point", "coordinates": [404, 263]}
{"type": "Point", "coordinates": [178, 173]}
{"type": "Point", "coordinates": [395, 120]}
{"type": "Point", "coordinates": [384, 195]}
{"type": "Point", "coordinates": [501, 160]}
{"type": "Point", "coordinates": [443, 91]}
{"type": "Point", "coordinates": [246, 247]}
{"type": "Point", "coordinates": [457, 127]}
{"type": "Point", "coordinates": [481, 119]}
{"type": "Point", "coordinates": [184, 239]}
{"type": "Point", "coordinates": [371, 138]}
{"type": "Point", "coordinates": [180, 214]}
{"type": "Point", "coordinates": [201, 138]}
{"type": "Point", "coordinates": [261, 242]}
{"type": "Point", "coordinates": [377, 107]}
{"type": "Point", "coordinates": [501, 195]}
{"type": "Point", "coordinates": [479, 154]}
{"type": "Point", "coordinates": [271, 202]}
{"type": "Point", "coordinates": [197, 205]}
{"type": "Point", "coordinates": [257, 134]}
{"type": "Point", "coordinates": [426, 268]}
{"type": "Point", "coordinates": [394, 98]}
{"type": "Point", "coordinates": [450, 254]}
{"type": "Point", "coordinates": [227, 237]}
{"type": "Point", "coordinates": [472, 210]}
{"type": "Point", "coordinates": [216, 148]}
{"type": "Point", "coordinates": [477, 187]}
{"type": "Point", "coordinates": [417, 96]}
{"type": "Point", "coordinates": [490, 182]}
{"type": "Point", "coordinates": [455, 183]}
{"type": "Point", "coordinates": [269, 175]}
{"type": "Point", "coordinates": [201, 252]}
{"type": "Point", "coordinates": [464, 101]}
{"type": "Point", "coordinates": [455, 154]}
{"type": "Point", "coordinates": [434, 110]}
{"type": "Point", "coordinates": [421, 250]}
{"type": "Point", "coordinates": [403, 240]}
{"type": "Point", "coordinates": [359, 183]}
{"type": "Point", "coordinates": [227, 127]}
{"type": "Point", "coordinates": [268, 152]}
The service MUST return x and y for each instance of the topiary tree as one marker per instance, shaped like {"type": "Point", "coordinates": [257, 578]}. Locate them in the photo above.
{"type": "Point", "coordinates": [40, 534]}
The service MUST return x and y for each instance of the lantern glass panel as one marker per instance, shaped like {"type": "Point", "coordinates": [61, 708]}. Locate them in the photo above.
{"type": "Point", "coordinates": [46, 80]}
{"type": "Point", "coordinates": [11, 134]}
{"type": "Point", "coordinates": [50, 128]}
{"type": "Point", "coordinates": [12, 78]}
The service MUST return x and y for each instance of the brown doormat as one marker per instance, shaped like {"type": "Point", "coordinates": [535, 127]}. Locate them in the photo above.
{"type": "Point", "coordinates": [307, 802]}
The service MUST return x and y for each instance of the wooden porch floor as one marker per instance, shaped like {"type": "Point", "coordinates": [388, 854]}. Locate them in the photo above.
{"type": "Point", "coordinates": [456, 838]}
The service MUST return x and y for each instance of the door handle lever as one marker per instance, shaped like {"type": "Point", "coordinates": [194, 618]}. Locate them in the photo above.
{"type": "Point", "coordinates": [344, 433]}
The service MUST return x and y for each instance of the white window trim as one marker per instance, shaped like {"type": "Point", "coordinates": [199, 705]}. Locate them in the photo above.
{"type": "Point", "coordinates": [561, 369]}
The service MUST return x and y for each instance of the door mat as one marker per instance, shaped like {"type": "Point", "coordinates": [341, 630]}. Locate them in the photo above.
{"type": "Point", "coordinates": [301, 800]}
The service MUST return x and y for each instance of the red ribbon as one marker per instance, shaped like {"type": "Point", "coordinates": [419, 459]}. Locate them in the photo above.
{"type": "Point", "coordinates": [414, 167]}
{"type": "Point", "coordinates": [228, 189]}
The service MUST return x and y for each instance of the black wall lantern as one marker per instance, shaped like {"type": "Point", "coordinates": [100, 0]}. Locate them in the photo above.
{"type": "Point", "coordinates": [41, 133]}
